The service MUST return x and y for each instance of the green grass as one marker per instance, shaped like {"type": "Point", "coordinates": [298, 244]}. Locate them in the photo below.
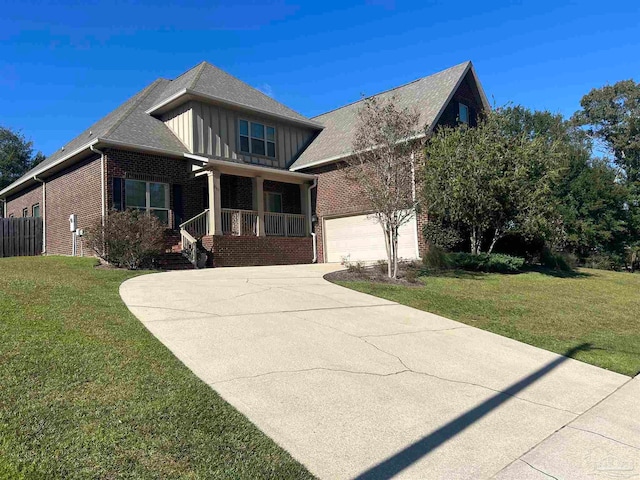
{"type": "Point", "coordinates": [595, 307]}
{"type": "Point", "coordinates": [87, 392]}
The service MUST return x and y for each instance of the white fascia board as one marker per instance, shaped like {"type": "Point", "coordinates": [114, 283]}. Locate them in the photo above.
{"type": "Point", "coordinates": [258, 170]}
{"type": "Point", "coordinates": [188, 91]}
{"type": "Point", "coordinates": [166, 101]}
{"type": "Point", "coordinates": [325, 161]}
{"type": "Point", "coordinates": [143, 148]}
{"type": "Point", "coordinates": [48, 167]}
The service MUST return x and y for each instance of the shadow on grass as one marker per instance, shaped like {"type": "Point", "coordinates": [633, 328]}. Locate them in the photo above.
{"type": "Point", "coordinates": [556, 273]}
{"type": "Point", "coordinates": [414, 452]}
{"type": "Point", "coordinates": [462, 274]}
{"type": "Point", "coordinates": [475, 275]}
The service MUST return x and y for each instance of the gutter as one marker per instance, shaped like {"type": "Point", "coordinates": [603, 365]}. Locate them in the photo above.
{"type": "Point", "coordinates": [313, 234]}
{"type": "Point", "coordinates": [224, 101]}
{"type": "Point", "coordinates": [102, 186]}
{"type": "Point", "coordinates": [47, 167]}
{"type": "Point", "coordinates": [44, 213]}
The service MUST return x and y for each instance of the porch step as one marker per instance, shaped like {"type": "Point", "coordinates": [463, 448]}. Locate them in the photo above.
{"type": "Point", "coordinates": [172, 240]}
{"type": "Point", "coordinates": [174, 261]}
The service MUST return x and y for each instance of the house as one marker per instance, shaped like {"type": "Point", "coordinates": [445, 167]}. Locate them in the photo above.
{"type": "Point", "coordinates": [224, 164]}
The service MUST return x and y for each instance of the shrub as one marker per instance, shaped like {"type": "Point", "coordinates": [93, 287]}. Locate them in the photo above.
{"type": "Point", "coordinates": [440, 235]}
{"type": "Point", "coordinates": [602, 261]}
{"type": "Point", "coordinates": [383, 266]}
{"type": "Point", "coordinates": [129, 238]}
{"type": "Point", "coordinates": [565, 262]}
{"type": "Point", "coordinates": [435, 258]}
{"type": "Point", "coordinates": [355, 267]}
{"type": "Point", "coordinates": [485, 262]}
{"type": "Point", "coordinates": [411, 274]}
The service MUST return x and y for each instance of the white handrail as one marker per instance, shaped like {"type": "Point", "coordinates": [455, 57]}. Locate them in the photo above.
{"type": "Point", "coordinates": [189, 245]}
{"type": "Point", "coordinates": [197, 226]}
{"type": "Point", "coordinates": [239, 222]}
{"type": "Point", "coordinates": [285, 224]}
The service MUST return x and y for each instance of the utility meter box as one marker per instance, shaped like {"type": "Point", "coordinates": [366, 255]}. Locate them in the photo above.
{"type": "Point", "coordinates": [73, 222]}
{"type": "Point", "coordinates": [80, 232]}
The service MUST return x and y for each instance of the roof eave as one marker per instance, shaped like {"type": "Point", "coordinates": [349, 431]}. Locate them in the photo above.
{"type": "Point", "coordinates": [177, 99]}
{"type": "Point", "coordinates": [337, 158]}
{"type": "Point", "coordinates": [252, 170]}
{"type": "Point", "coordinates": [483, 98]}
{"type": "Point", "coordinates": [99, 142]}
{"type": "Point", "coordinates": [10, 188]}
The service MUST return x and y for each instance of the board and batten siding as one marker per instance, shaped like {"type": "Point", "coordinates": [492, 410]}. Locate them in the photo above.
{"type": "Point", "coordinates": [215, 134]}
{"type": "Point", "coordinates": [180, 122]}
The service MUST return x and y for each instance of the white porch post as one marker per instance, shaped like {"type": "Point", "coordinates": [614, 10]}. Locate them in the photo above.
{"type": "Point", "coordinates": [215, 212]}
{"type": "Point", "coordinates": [305, 206]}
{"type": "Point", "coordinates": [258, 203]}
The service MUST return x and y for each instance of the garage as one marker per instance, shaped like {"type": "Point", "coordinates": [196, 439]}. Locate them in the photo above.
{"type": "Point", "coordinates": [360, 238]}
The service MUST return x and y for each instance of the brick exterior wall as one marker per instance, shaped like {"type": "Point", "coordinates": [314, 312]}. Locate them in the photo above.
{"type": "Point", "coordinates": [243, 251]}
{"type": "Point", "coordinates": [290, 195]}
{"type": "Point", "coordinates": [175, 171]}
{"type": "Point", "coordinates": [73, 190]}
{"type": "Point", "coordinates": [25, 199]}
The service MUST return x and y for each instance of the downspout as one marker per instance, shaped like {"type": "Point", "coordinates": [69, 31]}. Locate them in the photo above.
{"type": "Point", "coordinates": [44, 214]}
{"type": "Point", "coordinates": [102, 189]}
{"type": "Point", "coordinates": [313, 235]}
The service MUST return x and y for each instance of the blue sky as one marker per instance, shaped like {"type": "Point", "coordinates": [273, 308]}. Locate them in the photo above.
{"type": "Point", "coordinates": [64, 64]}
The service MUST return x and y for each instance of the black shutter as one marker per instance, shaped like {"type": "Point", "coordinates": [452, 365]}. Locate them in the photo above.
{"type": "Point", "coordinates": [178, 205]}
{"type": "Point", "coordinates": [118, 196]}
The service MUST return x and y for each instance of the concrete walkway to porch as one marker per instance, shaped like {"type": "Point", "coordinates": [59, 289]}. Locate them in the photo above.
{"type": "Point", "coordinates": [357, 386]}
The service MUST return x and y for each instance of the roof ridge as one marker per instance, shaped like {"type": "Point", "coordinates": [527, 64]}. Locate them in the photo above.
{"type": "Point", "coordinates": [200, 66]}
{"type": "Point", "coordinates": [256, 89]}
{"type": "Point", "coordinates": [144, 93]}
{"type": "Point", "coordinates": [391, 89]}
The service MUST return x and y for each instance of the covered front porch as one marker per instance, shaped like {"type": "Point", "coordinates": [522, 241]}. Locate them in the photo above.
{"type": "Point", "coordinates": [247, 201]}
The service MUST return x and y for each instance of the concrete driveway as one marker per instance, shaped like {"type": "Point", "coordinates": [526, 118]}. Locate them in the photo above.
{"type": "Point", "coordinates": [353, 385]}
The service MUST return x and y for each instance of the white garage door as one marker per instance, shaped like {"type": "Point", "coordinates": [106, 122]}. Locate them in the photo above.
{"type": "Point", "coordinates": [360, 238]}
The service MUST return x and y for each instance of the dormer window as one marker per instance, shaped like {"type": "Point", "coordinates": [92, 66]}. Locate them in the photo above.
{"type": "Point", "coordinates": [463, 113]}
{"type": "Point", "coordinates": [257, 139]}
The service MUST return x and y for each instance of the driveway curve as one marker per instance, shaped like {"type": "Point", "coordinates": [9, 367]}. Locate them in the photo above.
{"type": "Point", "coordinates": [357, 386]}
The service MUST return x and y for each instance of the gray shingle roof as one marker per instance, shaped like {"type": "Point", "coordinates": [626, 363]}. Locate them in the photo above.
{"type": "Point", "coordinates": [209, 80]}
{"type": "Point", "coordinates": [428, 95]}
{"type": "Point", "coordinates": [128, 123]}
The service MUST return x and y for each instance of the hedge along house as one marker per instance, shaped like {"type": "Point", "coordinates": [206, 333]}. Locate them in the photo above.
{"type": "Point", "coordinates": [224, 164]}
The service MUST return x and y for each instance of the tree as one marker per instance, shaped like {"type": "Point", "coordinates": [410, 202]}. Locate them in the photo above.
{"type": "Point", "coordinates": [493, 179]}
{"type": "Point", "coordinates": [16, 156]}
{"type": "Point", "coordinates": [383, 166]}
{"type": "Point", "coordinates": [611, 114]}
{"type": "Point", "coordinates": [592, 203]}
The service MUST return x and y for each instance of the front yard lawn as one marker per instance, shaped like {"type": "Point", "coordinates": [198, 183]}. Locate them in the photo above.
{"type": "Point", "coordinates": [596, 307]}
{"type": "Point", "coordinates": [88, 392]}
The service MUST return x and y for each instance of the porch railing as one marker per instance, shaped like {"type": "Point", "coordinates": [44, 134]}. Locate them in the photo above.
{"type": "Point", "coordinates": [197, 226]}
{"type": "Point", "coordinates": [239, 222]}
{"type": "Point", "coordinates": [284, 224]}
{"type": "Point", "coordinates": [189, 246]}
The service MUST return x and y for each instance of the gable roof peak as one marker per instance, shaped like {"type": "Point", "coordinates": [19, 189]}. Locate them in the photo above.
{"type": "Point", "coordinates": [208, 82]}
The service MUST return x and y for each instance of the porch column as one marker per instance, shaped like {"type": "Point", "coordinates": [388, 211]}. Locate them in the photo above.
{"type": "Point", "coordinates": [215, 203]}
{"type": "Point", "coordinates": [258, 203]}
{"type": "Point", "coordinates": [305, 207]}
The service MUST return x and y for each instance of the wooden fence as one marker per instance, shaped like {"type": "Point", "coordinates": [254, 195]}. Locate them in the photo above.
{"type": "Point", "coordinates": [20, 237]}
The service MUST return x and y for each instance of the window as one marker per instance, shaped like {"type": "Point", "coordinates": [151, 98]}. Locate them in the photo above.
{"type": "Point", "coordinates": [25, 212]}
{"type": "Point", "coordinates": [463, 113]}
{"type": "Point", "coordinates": [257, 139]}
{"type": "Point", "coordinates": [35, 210]}
{"type": "Point", "coordinates": [273, 202]}
{"type": "Point", "coordinates": [151, 197]}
